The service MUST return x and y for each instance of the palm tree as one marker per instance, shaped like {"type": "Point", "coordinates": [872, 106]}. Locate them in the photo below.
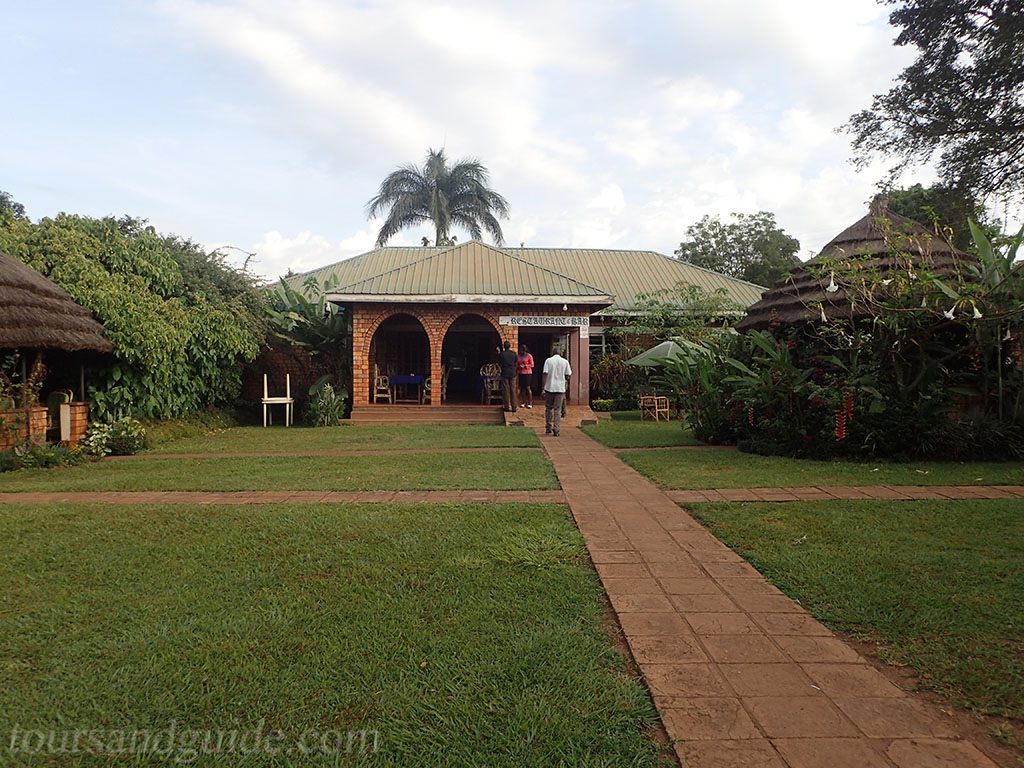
{"type": "Point", "coordinates": [447, 196]}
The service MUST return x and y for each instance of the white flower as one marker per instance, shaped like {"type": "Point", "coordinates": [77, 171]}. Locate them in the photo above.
{"type": "Point", "coordinates": [825, 319]}
{"type": "Point", "coordinates": [949, 312]}
{"type": "Point", "coordinates": [977, 314]}
{"type": "Point", "coordinates": [1007, 336]}
{"type": "Point", "coordinates": [886, 282]}
{"type": "Point", "coordinates": [924, 305]}
{"type": "Point", "coordinates": [832, 287]}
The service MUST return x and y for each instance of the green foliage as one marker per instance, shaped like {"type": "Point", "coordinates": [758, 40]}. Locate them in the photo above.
{"type": "Point", "coordinates": [945, 210]}
{"type": "Point", "coordinates": [963, 97]}
{"type": "Point", "coordinates": [697, 378]}
{"type": "Point", "coordinates": [17, 391]}
{"type": "Point", "coordinates": [611, 378]}
{"type": "Point", "coordinates": [685, 311]}
{"type": "Point", "coordinates": [447, 196]}
{"type": "Point", "coordinates": [182, 322]}
{"type": "Point", "coordinates": [326, 407]}
{"type": "Point", "coordinates": [934, 371]}
{"type": "Point", "coordinates": [602, 404]}
{"type": "Point", "coordinates": [323, 330]}
{"type": "Point", "coordinates": [124, 437]}
{"type": "Point", "coordinates": [753, 248]}
{"type": "Point", "coordinates": [40, 456]}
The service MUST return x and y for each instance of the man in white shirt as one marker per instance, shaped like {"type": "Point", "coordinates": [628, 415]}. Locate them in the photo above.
{"type": "Point", "coordinates": [556, 378]}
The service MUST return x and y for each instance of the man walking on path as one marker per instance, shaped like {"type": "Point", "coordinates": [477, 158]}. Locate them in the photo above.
{"type": "Point", "coordinates": [556, 375]}
{"type": "Point", "coordinates": [508, 360]}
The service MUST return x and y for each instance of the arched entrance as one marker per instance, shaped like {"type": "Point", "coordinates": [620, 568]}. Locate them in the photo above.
{"type": "Point", "coordinates": [470, 342]}
{"type": "Point", "coordinates": [400, 347]}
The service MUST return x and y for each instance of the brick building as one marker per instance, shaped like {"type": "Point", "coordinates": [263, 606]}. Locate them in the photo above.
{"type": "Point", "coordinates": [444, 311]}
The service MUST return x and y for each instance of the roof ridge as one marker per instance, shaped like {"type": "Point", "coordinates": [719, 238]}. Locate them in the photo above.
{"type": "Point", "coordinates": [441, 250]}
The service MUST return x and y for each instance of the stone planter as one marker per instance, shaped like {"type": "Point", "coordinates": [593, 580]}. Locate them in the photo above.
{"type": "Point", "coordinates": [20, 424]}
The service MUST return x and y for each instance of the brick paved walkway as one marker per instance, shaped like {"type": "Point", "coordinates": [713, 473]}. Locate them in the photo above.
{"type": "Point", "coordinates": [741, 675]}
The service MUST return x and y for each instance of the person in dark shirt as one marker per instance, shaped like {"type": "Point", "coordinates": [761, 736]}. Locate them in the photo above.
{"type": "Point", "coordinates": [508, 360]}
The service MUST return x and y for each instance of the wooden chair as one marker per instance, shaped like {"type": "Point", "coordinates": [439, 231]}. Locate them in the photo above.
{"type": "Point", "coordinates": [445, 372]}
{"type": "Point", "coordinates": [382, 388]}
{"type": "Point", "coordinates": [425, 393]}
{"type": "Point", "coordinates": [286, 401]}
{"type": "Point", "coordinates": [652, 405]}
{"type": "Point", "coordinates": [491, 374]}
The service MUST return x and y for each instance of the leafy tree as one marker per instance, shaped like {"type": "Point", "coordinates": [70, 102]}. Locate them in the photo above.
{"type": "Point", "coordinates": [962, 98]}
{"type": "Point", "coordinates": [683, 312]}
{"type": "Point", "coordinates": [11, 209]}
{"type": "Point", "coordinates": [752, 248]}
{"type": "Point", "coordinates": [181, 320]}
{"type": "Point", "coordinates": [946, 210]}
{"type": "Point", "coordinates": [447, 196]}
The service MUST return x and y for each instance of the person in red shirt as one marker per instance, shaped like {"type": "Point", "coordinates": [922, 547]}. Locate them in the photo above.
{"type": "Point", "coordinates": [524, 366]}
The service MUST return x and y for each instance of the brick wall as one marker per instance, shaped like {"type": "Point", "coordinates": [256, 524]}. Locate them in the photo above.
{"type": "Point", "coordinates": [436, 319]}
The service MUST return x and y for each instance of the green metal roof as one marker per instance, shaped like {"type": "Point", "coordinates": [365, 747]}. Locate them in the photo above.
{"type": "Point", "coordinates": [477, 268]}
{"type": "Point", "coordinates": [471, 269]}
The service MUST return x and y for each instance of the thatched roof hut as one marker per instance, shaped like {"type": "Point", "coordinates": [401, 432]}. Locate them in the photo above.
{"type": "Point", "coordinates": [36, 313]}
{"type": "Point", "coordinates": [811, 291]}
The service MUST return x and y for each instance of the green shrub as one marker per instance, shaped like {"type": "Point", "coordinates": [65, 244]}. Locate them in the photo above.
{"type": "Point", "coordinates": [602, 404]}
{"type": "Point", "coordinates": [40, 456]}
{"type": "Point", "coordinates": [327, 407]}
{"type": "Point", "coordinates": [124, 437]}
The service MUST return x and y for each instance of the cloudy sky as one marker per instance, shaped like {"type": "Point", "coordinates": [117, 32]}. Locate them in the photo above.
{"type": "Point", "coordinates": [267, 125]}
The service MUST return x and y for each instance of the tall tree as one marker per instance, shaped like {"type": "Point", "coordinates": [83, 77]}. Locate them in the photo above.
{"type": "Point", "coordinates": [963, 97]}
{"type": "Point", "coordinates": [752, 248]}
{"type": "Point", "coordinates": [447, 196]}
{"type": "Point", "coordinates": [945, 210]}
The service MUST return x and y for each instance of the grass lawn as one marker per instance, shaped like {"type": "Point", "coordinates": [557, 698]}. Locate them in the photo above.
{"type": "Point", "coordinates": [622, 433]}
{"type": "Point", "coordinates": [351, 437]}
{"type": "Point", "coordinates": [457, 634]}
{"type": "Point", "coordinates": [492, 470]}
{"type": "Point", "coordinates": [732, 469]}
{"type": "Point", "coordinates": [937, 583]}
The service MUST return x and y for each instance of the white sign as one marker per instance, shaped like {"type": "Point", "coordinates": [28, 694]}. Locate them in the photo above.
{"type": "Point", "coordinates": [558, 321]}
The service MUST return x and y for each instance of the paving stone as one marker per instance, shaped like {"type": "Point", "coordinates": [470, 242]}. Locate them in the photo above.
{"type": "Point", "coordinates": [894, 718]}
{"type": "Point", "coordinates": [790, 624]}
{"type": "Point", "coordinates": [754, 603]}
{"type": "Point", "coordinates": [660, 623]}
{"type": "Point", "coordinates": [639, 603]}
{"type": "Point", "coordinates": [701, 719]}
{"type": "Point", "coordinates": [745, 585]}
{"type": "Point", "coordinates": [675, 649]}
{"type": "Point", "coordinates": [616, 557]}
{"type": "Point", "coordinates": [742, 649]}
{"type": "Point", "coordinates": [817, 649]}
{"type": "Point", "coordinates": [644, 586]}
{"type": "Point", "coordinates": [698, 586]}
{"type": "Point", "coordinates": [722, 624]}
{"type": "Point", "coordinates": [852, 681]}
{"type": "Point", "coordinates": [687, 604]}
{"type": "Point", "coordinates": [768, 680]}
{"type": "Point", "coordinates": [733, 569]}
{"type": "Point", "coordinates": [831, 753]}
{"type": "Point", "coordinates": [799, 716]}
{"type": "Point", "coordinates": [672, 681]}
{"type": "Point", "coordinates": [937, 753]}
{"type": "Point", "coordinates": [681, 567]}
{"type": "Point", "coordinates": [746, 753]}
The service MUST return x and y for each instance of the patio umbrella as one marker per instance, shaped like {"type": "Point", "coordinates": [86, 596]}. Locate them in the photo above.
{"type": "Point", "coordinates": [656, 355]}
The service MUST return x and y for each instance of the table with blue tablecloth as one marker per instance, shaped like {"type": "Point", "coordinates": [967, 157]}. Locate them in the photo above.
{"type": "Point", "coordinates": [411, 380]}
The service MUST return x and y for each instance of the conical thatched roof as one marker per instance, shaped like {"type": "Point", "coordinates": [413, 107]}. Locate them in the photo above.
{"type": "Point", "coordinates": [869, 242]}
{"type": "Point", "coordinates": [36, 313]}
